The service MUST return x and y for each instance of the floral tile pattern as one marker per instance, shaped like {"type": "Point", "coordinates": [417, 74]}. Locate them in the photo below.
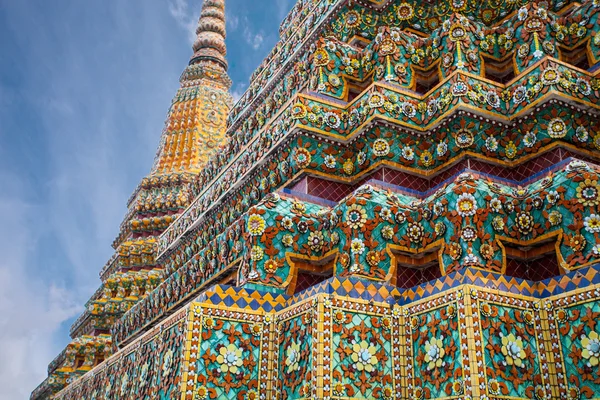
{"type": "Point", "coordinates": [361, 350]}
{"type": "Point", "coordinates": [511, 351]}
{"type": "Point", "coordinates": [436, 369]}
{"type": "Point", "coordinates": [578, 328]}
{"type": "Point", "coordinates": [296, 366]}
{"type": "Point", "coordinates": [226, 356]}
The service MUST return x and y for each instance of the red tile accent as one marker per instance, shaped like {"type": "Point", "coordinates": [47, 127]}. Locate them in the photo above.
{"type": "Point", "coordinates": [410, 277]}
{"type": "Point", "coordinates": [307, 280]}
{"type": "Point", "coordinates": [534, 270]}
{"type": "Point", "coordinates": [328, 190]}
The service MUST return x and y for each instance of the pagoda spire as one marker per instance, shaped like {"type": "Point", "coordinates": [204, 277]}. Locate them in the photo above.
{"type": "Point", "coordinates": [209, 45]}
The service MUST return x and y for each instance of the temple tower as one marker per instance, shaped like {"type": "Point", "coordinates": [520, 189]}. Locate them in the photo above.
{"type": "Point", "coordinates": [194, 130]}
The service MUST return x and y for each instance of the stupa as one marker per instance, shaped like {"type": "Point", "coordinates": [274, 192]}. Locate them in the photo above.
{"type": "Point", "coordinates": [404, 204]}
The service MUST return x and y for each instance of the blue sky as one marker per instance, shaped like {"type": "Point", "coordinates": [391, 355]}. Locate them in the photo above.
{"type": "Point", "coordinates": [84, 90]}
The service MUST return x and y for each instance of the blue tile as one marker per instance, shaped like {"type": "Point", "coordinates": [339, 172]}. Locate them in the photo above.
{"type": "Point", "coordinates": [255, 305]}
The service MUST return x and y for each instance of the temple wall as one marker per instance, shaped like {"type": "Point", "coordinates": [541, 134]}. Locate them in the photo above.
{"type": "Point", "coordinates": [351, 338]}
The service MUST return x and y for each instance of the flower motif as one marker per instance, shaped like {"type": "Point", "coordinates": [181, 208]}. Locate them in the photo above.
{"type": "Point", "coordinates": [524, 222]}
{"type": "Point", "coordinates": [256, 329]}
{"type": "Point", "coordinates": [591, 348]}
{"type": "Point", "coordinates": [493, 99]}
{"type": "Point", "coordinates": [491, 144]}
{"type": "Point", "coordinates": [557, 128]}
{"type": "Point", "coordinates": [252, 395]}
{"type": "Point", "coordinates": [486, 309]}
{"type": "Point", "coordinates": [466, 205]}
{"type": "Point", "coordinates": [298, 207]}
{"type": "Point", "coordinates": [321, 57]}
{"type": "Point", "coordinates": [387, 232]}
{"type": "Point", "coordinates": [486, 251]}
{"type": "Point", "coordinates": [439, 228]}
{"type": "Point", "coordinates": [348, 166]}
{"type": "Point", "coordinates": [592, 223]}
{"type": "Point", "coordinates": [458, 387]}
{"type": "Point", "coordinates": [373, 258]}
{"type": "Point", "coordinates": [344, 260]}
{"type": "Point", "coordinates": [469, 234]}
{"type": "Point", "coordinates": [256, 225]}
{"type": "Point", "coordinates": [494, 387]}
{"type": "Point", "coordinates": [201, 393]}
{"type": "Point", "coordinates": [256, 253]}
{"type": "Point", "coordinates": [408, 153]}
{"type": "Point", "coordinates": [299, 111]}
{"type": "Point", "coordinates": [334, 80]}
{"type": "Point", "coordinates": [427, 158]}
{"type": "Point", "coordinates": [438, 208]}
{"type": "Point", "coordinates": [529, 139]}
{"type": "Point", "coordinates": [364, 356]}
{"type": "Point", "coordinates": [356, 216]}
{"type": "Point", "coordinates": [292, 357]}
{"type": "Point", "coordinates": [361, 157]}
{"type": "Point", "coordinates": [287, 223]}
{"type": "Point", "coordinates": [577, 242]}
{"type": "Point", "coordinates": [338, 389]}
{"type": "Point", "coordinates": [509, 206]}
{"type": "Point", "coordinates": [588, 193]}
{"type": "Point", "coordinates": [385, 214]}
{"type": "Point", "coordinates": [555, 218]}
{"type": "Point", "coordinates": [315, 241]}
{"type": "Point", "coordinates": [511, 150]}
{"type": "Point", "coordinates": [381, 147]}
{"type": "Point", "coordinates": [550, 76]}
{"type": "Point", "coordinates": [415, 232]}
{"type": "Point", "coordinates": [512, 349]}
{"type": "Point", "coordinates": [581, 134]}
{"type": "Point", "coordinates": [332, 120]}
{"type": "Point", "coordinates": [376, 100]}
{"type": "Point", "coordinates": [287, 240]}
{"type": "Point", "coordinates": [302, 157]}
{"type": "Point", "coordinates": [573, 393]}
{"type": "Point", "coordinates": [434, 353]}
{"type": "Point", "coordinates": [167, 363]}
{"type": "Point", "coordinates": [496, 205]}
{"type": "Point", "coordinates": [208, 322]}
{"type": "Point", "coordinates": [400, 217]}
{"type": "Point", "coordinates": [271, 266]}
{"type": "Point", "coordinates": [357, 246]}
{"type": "Point", "coordinates": [584, 86]}
{"type": "Point", "coordinates": [405, 12]}
{"type": "Point", "coordinates": [464, 138]}
{"type": "Point", "coordinates": [552, 197]}
{"type": "Point", "coordinates": [230, 358]}
{"type": "Point", "coordinates": [520, 94]}
{"type": "Point", "coordinates": [441, 148]}
{"type": "Point", "coordinates": [329, 161]}
{"type": "Point", "coordinates": [455, 250]}
{"type": "Point", "coordinates": [408, 109]}
{"type": "Point", "coordinates": [418, 393]}
{"type": "Point", "coordinates": [561, 315]}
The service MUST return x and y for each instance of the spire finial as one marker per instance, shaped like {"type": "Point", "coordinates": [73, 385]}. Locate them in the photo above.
{"type": "Point", "coordinates": [210, 34]}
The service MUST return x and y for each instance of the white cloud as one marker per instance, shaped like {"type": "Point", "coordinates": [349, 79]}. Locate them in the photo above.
{"type": "Point", "coordinates": [89, 120]}
{"type": "Point", "coordinates": [254, 39]}
{"type": "Point", "coordinates": [185, 17]}
{"type": "Point", "coordinates": [31, 310]}
{"type": "Point", "coordinates": [238, 91]}
{"type": "Point", "coordinates": [233, 21]}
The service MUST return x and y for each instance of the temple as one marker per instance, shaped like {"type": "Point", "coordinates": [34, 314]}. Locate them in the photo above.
{"type": "Point", "coordinates": [404, 204]}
